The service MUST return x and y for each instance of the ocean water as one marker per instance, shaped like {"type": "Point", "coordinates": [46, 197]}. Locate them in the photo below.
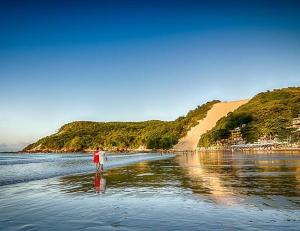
{"type": "Point", "coordinates": [17, 168]}
{"type": "Point", "coordinates": [199, 191]}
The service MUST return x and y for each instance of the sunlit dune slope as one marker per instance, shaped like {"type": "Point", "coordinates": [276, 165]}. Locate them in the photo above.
{"type": "Point", "coordinates": [219, 110]}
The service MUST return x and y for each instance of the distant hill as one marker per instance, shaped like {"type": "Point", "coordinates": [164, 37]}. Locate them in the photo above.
{"type": "Point", "coordinates": [86, 135]}
{"type": "Point", "coordinates": [267, 114]}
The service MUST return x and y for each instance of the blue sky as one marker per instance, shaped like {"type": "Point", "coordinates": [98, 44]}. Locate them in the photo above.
{"type": "Point", "coordinates": [62, 61]}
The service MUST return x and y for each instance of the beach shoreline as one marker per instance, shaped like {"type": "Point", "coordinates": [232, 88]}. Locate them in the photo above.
{"type": "Point", "coordinates": [126, 152]}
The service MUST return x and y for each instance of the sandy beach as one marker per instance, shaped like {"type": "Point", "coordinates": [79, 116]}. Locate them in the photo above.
{"type": "Point", "coordinates": [195, 191]}
{"type": "Point", "coordinates": [219, 110]}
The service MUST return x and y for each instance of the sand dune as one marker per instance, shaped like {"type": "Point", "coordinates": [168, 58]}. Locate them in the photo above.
{"type": "Point", "coordinates": [219, 110]}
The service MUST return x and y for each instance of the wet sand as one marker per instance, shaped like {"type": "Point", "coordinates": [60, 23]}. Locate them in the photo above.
{"type": "Point", "coordinates": [223, 191]}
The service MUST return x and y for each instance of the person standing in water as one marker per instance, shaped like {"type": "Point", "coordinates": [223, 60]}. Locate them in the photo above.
{"type": "Point", "coordinates": [103, 158]}
{"type": "Point", "coordinates": [96, 159]}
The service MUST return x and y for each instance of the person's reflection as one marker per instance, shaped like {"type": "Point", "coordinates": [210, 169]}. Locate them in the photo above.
{"type": "Point", "coordinates": [99, 183]}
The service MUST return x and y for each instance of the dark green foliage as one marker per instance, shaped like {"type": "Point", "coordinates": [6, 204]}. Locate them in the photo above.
{"type": "Point", "coordinates": [153, 134]}
{"type": "Point", "coordinates": [267, 114]}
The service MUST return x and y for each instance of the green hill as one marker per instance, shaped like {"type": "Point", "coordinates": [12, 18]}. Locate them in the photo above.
{"type": "Point", "coordinates": [267, 114]}
{"type": "Point", "coordinates": [86, 135]}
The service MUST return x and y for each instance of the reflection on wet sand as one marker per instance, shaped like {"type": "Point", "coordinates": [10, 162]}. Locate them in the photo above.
{"type": "Point", "coordinates": [199, 170]}
{"type": "Point", "coordinates": [99, 183]}
{"type": "Point", "coordinates": [257, 179]}
{"type": "Point", "coordinates": [222, 178]}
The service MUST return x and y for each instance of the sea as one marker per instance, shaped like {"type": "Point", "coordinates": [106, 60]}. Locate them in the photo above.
{"type": "Point", "coordinates": [150, 191]}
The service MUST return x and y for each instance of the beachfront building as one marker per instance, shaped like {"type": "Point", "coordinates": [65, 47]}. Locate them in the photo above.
{"type": "Point", "coordinates": [296, 131]}
{"type": "Point", "coordinates": [268, 139]}
{"type": "Point", "coordinates": [296, 123]}
{"type": "Point", "coordinates": [236, 136]}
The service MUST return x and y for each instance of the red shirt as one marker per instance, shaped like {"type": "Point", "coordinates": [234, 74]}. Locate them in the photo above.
{"type": "Point", "coordinates": [96, 157]}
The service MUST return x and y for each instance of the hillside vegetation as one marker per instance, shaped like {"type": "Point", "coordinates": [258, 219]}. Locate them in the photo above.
{"type": "Point", "coordinates": [267, 114]}
{"type": "Point", "coordinates": [153, 134]}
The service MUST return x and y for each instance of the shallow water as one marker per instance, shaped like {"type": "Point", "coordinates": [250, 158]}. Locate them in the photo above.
{"type": "Point", "coordinates": [17, 168]}
{"type": "Point", "coordinates": [230, 191]}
